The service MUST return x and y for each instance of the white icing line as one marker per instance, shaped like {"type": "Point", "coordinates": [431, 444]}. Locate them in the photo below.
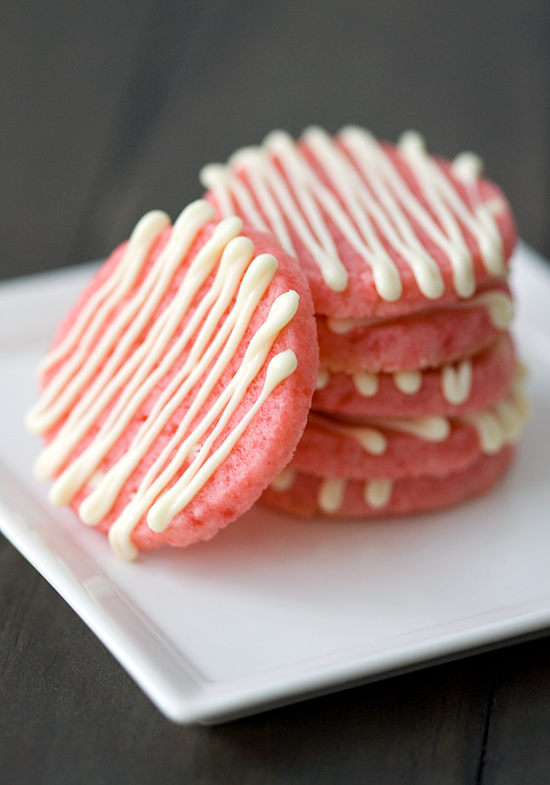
{"type": "Point", "coordinates": [284, 480]}
{"type": "Point", "coordinates": [323, 378]}
{"type": "Point", "coordinates": [359, 203]}
{"type": "Point", "coordinates": [496, 426]}
{"type": "Point", "coordinates": [366, 383]}
{"type": "Point", "coordinates": [447, 203]}
{"type": "Point", "coordinates": [205, 348]}
{"type": "Point", "coordinates": [377, 493]}
{"type": "Point", "coordinates": [331, 494]}
{"type": "Point", "coordinates": [408, 382]}
{"type": "Point", "coordinates": [373, 207]}
{"type": "Point", "coordinates": [456, 382]}
{"type": "Point", "coordinates": [91, 320]}
{"type": "Point", "coordinates": [117, 367]}
{"type": "Point", "coordinates": [211, 337]}
{"type": "Point", "coordinates": [369, 156]}
{"type": "Point", "coordinates": [370, 438]}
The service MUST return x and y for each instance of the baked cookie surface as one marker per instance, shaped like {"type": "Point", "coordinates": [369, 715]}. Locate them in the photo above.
{"type": "Point", "coordinates": [380, 229]}
{"type": "Point", "coordinates": [179, 384]}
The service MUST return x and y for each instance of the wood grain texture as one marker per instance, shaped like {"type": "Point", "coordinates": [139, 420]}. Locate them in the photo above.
{"type": "Point", "coordinates": [68, 713]}
{"type": "Point", "coordinates": [518, 739]}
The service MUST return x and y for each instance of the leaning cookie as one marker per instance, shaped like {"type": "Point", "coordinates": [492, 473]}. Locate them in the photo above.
{"type": "Point", "coordinates": [179, 384]}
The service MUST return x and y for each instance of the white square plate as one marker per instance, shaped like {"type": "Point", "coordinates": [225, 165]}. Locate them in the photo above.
{"type": "Point", "coordinates": [275, 609]}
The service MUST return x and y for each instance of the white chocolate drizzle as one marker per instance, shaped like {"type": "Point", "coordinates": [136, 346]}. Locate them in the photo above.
{"type": "Point", "coordinates": [377, 493]}
{"type": "Point", "coordinates": [495, 426]}
{"type": "Point", "coordinates": [431, 428]}
{"type": "Point", "coordinates": [323, 377]}
{"type": "Point", "coordinates": [502, 423]}
{"type": "Point", "coordinates": [90, 322]}
{"type": "Point", "coordinates": [408, 382]}
{"type": "Point", "coordinates": [125, 378]}
{"type": "Point", "coordinates": [371, 439]}
{"type": "Point", "coordinates": [455, 379]}
{"type": "Point", "coordinates": [284, 480]}
{"type": "Point", "coordinates": [276, 187]}
{"type": "Point", "coordinates": [500, 308]}
{"type": "Point", "coordinates": [331, 494]}
{"type": "Point", "coordinates": [366, 383]}
{"type": "Point", "coordinates": [468, 167]}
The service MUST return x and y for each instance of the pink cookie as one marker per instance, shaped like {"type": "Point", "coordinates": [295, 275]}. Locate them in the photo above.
{"type": "Point", "coordinates": [306, 495]}
{"type": "Point", "coordinates": [424, 340]}
{"type": "Point", "coordinates": [381, 230]}
{"type": "Point", "coordinates": [390, 447]}
{"type": "Point", "coordinates": [179, 384]}
{"type": "Point", "coordinates": [465, 386]}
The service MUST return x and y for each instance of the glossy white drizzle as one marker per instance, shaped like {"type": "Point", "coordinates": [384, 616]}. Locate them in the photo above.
{"type": "Point", "coordinates": [91, 319]}
{"type": "Point", "coordinates": [500, 308]}
{"type": "Point", "coordinates": [206, 345]}
{"type": "Point", "coordinates": [368, 200]}
{"type": "Point", "coordinates": [366, 383]}
{"type": "Point", "coordinates": [408, 382]}
{"type": "Point", "coordinates": [284, 480]}
{"type": "Point", "coordinates": [371, 439]}
{"type": "Point", "coordinates": [455, 379]}
{"type": "Point", "coordinates": [323, 377]}
{"type": "Point", "coordinates": [449, 207]}
{"type": "Point", "coordinates": [331, 494]}
{"type": "Point", "coordinates": [430, 428]}
{"type": "Point", "coordinates": [502, 423]}
{"type": "Point", "coordinates": [377, 493]}
{"type": "Point", "coordinates": [468, 167]}
{"type": "Point", "coordinates": [124, 380]}
{"type": "Point", "coordinates": [115, 369]}
{"type": "Point", "coordinates": [496, 425]}
{"type": "Point", "coordinates": [279, 204]}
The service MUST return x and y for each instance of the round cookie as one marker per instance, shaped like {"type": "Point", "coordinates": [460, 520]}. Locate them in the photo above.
{"type": "Point", "coordinates": [306, 495]}
{"type": "Point", "coordinates": [468, 385]}
{"type": "Point", "coordinates": [390, 447]}
{"type": "Point", "coordinates": [424, 340]}
{"type": "Point", "coordinates": [381, 230]}
{"type": "Point", "coordinates": [179, 384]}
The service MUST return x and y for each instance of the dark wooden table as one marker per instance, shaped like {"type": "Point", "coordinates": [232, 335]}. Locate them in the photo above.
{"type": "Point", "coordinates": [110, 109]}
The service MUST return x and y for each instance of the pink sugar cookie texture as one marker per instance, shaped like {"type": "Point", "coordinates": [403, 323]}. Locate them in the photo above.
{"type": "Point", "coordinates": [179, 384]}
{"type": "Point", "coordinates": [404, 496]}
{"type": "Point", "coordinates": [407, 256]}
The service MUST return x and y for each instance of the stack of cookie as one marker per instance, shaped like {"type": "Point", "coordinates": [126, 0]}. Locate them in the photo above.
{"type": "Point", "coordinates": [419, 399]}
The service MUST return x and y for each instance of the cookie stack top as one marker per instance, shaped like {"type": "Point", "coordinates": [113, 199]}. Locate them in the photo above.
{"type": "Point", "coordinates": [381, 230]}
